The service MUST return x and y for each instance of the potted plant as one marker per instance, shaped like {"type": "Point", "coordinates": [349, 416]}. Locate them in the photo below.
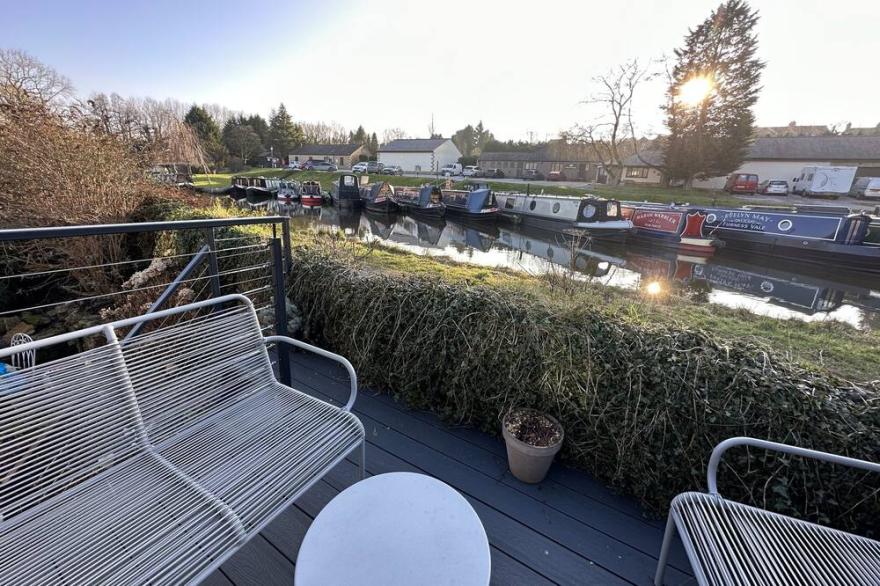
{"type": "Point", "coordinates": [533, 439]}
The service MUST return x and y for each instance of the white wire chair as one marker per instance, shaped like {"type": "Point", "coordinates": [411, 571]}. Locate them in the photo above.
{"type": "Point", "coordinates": [22, 359]}
{"type": "Point", "coordinates": [731, 543]}
{"type": "Point", "coordinates": [154, 460]}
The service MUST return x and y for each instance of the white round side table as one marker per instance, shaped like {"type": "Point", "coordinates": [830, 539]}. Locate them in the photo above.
{"type": "Point", "coordinates": [395, 529]}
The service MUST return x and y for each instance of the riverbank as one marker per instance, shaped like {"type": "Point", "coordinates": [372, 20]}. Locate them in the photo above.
{"type": "Point", "coordinates": [622, 192]}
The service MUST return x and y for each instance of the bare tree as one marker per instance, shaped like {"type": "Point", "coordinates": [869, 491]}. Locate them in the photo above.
{"type": "Point", "coordinates": [610, 133]}
{"type": "Point", "coordinates": [24, 77]}
{"type": "Point", "coordinates": [390, 134]}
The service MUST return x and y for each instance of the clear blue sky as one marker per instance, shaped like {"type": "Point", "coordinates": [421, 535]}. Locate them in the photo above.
{"type": "Point", "coordinates": [392, 63]}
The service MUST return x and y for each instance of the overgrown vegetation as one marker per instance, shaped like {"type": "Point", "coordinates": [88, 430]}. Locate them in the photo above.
{"type": "Point", "coordinates": [642, 404]}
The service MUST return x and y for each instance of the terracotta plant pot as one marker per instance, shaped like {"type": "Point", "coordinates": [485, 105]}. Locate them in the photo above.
{"type": "Point", "coordinates": [528, 462]}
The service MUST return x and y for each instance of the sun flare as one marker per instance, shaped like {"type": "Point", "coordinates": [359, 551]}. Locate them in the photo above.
{"type": "Point", "coordinates": [695, 90]}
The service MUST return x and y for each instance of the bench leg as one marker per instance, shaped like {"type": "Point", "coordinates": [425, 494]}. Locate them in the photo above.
{"type": "Point", "coordinates": [363, 458]}
{"type": "Point", "coordinates": [664, 550]}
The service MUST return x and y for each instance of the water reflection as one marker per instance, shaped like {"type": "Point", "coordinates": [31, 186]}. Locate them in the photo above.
{"type": "Point", "coordinates": [762, 285]}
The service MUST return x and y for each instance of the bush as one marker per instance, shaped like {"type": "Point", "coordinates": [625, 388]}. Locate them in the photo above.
{"type": "Point", "coordinates": [642, 405]}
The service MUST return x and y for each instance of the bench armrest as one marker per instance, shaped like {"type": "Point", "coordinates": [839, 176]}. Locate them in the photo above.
{"type": "Point", "coordinates": [321, 352]}
{"type": "Point", "coordinates": [715, 459]}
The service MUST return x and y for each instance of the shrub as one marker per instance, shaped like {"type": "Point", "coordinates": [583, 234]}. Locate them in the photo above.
{"type": "Point", "coordinates": [642, 405]}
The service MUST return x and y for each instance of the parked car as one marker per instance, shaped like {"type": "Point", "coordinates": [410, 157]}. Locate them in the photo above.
{"type": "Point", "coordinates": [307, 165]}
{"type": "Point", "coordinates": [359, 167]}
{"type": "Point", "coordinates": [294, 166]}
{"type": "Point", "coordinates": [774, 187]}
{"type": "Point", "coordinates": [324, 166]}
{"type": "Point", "coordinates": [533, 174]}
{"type": "Point", "coordinates": [471, 171]}
{"type": "Point", "coordinates": [866, 187]}
{"type": "Point", "coordinates": [393, 170]}
{"type": "Point", "coordinates": [451, 170]}
{"type": "Point", "coordinates": [374, 167]}
{"type": "Point", "coordinates": [742, 183]}
{"type": "Point", "coordinates": [493, 173]}
{"type": "Point", "coordinates": [556, 176]}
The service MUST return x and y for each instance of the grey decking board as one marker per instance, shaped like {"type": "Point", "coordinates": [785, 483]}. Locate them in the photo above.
{"type": "Point", "coordinates": [585, 526]}
{"type": "Point", "coordinates": [216, 579]}
{"type": "Point", "coordinates": [258, 563]}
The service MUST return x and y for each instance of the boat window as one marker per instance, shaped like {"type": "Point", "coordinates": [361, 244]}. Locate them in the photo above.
{"type": "Point", "coordinates": [613, 209]}
{"type": "Point", "coordinates": [784, 225]}
{"type": "Point", "coordinates": [532, 205]}
{"type": "Point", "coordinates": [348, 180]}
{"type": "Point", "coordinates": [589, 211]}
{"type": "Point", "coordinates": [508, 203]}
{"type": "Point", "coordinates": [556, 207]}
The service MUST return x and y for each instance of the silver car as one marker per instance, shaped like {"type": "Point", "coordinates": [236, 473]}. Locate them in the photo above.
{"type": "Point", "coordinates": [773, 188]}
{"type": "Point", "coordinates": [324, 166]}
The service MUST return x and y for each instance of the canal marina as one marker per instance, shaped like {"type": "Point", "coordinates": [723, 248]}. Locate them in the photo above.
{"type": "Point", "coordinates": [760, 284]}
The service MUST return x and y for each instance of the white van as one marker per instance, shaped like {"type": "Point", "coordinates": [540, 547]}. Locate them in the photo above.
{"type": "Point", "coordinates": [828, 181]}
{"type": "Point", "coordinates": [451, 170]}
{"type": "Point", "coordinates": [866, 187]}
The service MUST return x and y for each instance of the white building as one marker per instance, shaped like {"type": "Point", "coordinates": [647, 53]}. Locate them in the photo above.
{"type": "Point", "coordinates": [419, 155]}
{"type": "Point", "coordinates": [777, 158]}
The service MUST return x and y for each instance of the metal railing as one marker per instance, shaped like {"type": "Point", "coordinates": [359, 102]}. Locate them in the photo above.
{"type": "Point", "coordinates": [204, 266]}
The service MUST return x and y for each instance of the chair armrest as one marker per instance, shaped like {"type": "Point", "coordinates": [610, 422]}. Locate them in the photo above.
{"type": "Point", "coordinates": [715, 459]}
{"type": "Point", "coordinates": [321, 352]}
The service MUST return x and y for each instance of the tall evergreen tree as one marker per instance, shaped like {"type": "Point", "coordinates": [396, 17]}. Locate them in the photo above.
{"type": "Point", "coordinates": [283, 133]}
{"type": "Point", "coordinates": [258, 123]}
{"type": "Point", "coordinates": [715, 83]}
{"type": "Point", "coordinates": [374, 144]}
{"type": "Point", "coordinates": [203, 125]}
{"type": "Point", "coordinates": [360, 136]}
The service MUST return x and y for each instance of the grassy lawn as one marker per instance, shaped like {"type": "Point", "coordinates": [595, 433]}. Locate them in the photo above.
{"type": "Point", "coordinates": [624, 192]}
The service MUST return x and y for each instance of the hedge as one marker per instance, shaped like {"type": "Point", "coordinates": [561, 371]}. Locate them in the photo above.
{"type": "Point", "coordinates": [642, 405]}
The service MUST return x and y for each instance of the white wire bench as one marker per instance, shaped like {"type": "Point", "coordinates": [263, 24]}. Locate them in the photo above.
{"type": "Point", "coordinates": [154, 459]}
{"type": "Point", "coordinates": [732, 543]}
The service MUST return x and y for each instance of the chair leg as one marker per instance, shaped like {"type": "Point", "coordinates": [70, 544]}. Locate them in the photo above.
{"type": "Point", "coordinates": [363, 462]}
{"type": "Point", "coordinates": [664, 550]}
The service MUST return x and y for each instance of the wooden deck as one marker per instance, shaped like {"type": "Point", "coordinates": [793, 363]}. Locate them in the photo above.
{"type": "Point", "coordinates": [568, 530]}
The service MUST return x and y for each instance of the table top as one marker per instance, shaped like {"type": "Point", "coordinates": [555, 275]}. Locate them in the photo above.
{"type": "Point", "coordinates": [396, 528]}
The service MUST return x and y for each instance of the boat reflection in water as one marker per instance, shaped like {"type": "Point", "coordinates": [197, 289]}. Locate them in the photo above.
{"type": "Point", "coordinates": [763, 286]}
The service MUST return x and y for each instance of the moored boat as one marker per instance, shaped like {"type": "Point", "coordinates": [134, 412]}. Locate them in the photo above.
{"type": "Point", "coordinates": [261, 190]}
{"type": "Point", "coordinates": [378, 197]}
{"type": "Point", "coordinates": [310, 193]}
{"type": "Point", "coordinates": [815, 234]}
{"type": "Point", "coordinates": [288, 190]}
{"type": "Point", "coordinates": [238, 188]}
{"type": "Point", "coordinates": [425, 202]}
{"type": "Point", "coordinates": [346, 191]}
{"type": "Point", "coordinates": [671, 226]}
{"type": "Point", "coordinates": [474, 204]}
{"type": "Point", "coordinates": [599, 216]}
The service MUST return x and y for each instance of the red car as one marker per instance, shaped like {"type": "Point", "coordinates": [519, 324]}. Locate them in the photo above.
{"type": "Point", "coordinates": [556, 176]}
{"type": "Point", "coordinates": [742, 183]}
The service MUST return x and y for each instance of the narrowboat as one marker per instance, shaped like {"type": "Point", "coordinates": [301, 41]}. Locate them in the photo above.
{"type": "Point", "coordinates": [310, 193]}
{"type": "Point", "coordinates": [238, 189]}
{"type": "Point", "coordinates": [672, 226]}
{"type": "Point", "coordinates": [425, 202]}
{"type": "Point", "coordinates": [599, 216]}
{"type": "Point", "coordinates": [346, 191]}
{"type": "Point", "coordinates": [473, 204]}
{"type": "Point", "coordinates": [378, 197]}
{"type": "Point", "coordinates": [288, 191]}
{"type": "Point", "coordinates": [261, 190]}
{"type": "Point", "coordinates": [813, 234]}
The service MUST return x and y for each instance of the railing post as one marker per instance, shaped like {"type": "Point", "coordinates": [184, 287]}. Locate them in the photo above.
{"type": "Point", "coordinates": [213, 266]}
{"type": "Point", "coordinates": [280, 310]}
{"type": "Point", "coordinates": [288, 254]}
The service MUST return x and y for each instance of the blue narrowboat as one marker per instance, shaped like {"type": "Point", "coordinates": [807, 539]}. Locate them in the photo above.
{"type": "Point", "coordinates": [346, 191]}
{"type": "Point", "coordinates": [474, 204]}
{"type": "Point", "coordinates": [815, 234]}
{"type": "Point", "coordinates": [425, 202]}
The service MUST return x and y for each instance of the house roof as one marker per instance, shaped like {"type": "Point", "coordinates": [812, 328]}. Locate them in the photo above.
{"type": "Point", "coordinates": [511, 156]}
{"type": "Point", "coordinates": [793, 148]}
{"type": "Point", "coordinates": [412, 145]}
{"type": "Point", "coordinates": [340, 150]}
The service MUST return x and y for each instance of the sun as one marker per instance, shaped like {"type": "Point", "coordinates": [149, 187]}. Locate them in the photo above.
{"type": "Point", "coordinates": [695, 90]}
{"type": "Point", "coordinates": [653, 288]}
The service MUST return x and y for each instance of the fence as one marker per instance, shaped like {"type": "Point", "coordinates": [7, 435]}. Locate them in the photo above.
{"type": "Point", "coordinates": [221, 260]}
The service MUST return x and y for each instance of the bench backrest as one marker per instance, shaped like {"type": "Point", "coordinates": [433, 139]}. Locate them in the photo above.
{"type": "Point", "coordinates": [186, 372]}
{"type": "Point", "coordinates": [61, 423]}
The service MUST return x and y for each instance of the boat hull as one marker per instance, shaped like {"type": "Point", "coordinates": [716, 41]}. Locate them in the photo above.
{"type": "Point", "coordinates": [487, 215]}
{"type": "Point", "coordinates": [386, 206]}
{"type": "Point", "coordinates": [258, 195]}
{"type": "Point", "coordinates": [311, 200]}
{"type": "Point", "coordinates": [437, 212]}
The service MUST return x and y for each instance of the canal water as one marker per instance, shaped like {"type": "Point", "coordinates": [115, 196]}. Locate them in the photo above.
{"type": "Point", "coordinates": [762, 285]}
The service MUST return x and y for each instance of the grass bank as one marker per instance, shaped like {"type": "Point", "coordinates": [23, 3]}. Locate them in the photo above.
{"type": "Point", "coordinates": [625, 192]}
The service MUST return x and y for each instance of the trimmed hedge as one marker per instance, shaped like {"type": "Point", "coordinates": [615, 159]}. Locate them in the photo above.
{"type": "Point", "coordinates": [642, 405]}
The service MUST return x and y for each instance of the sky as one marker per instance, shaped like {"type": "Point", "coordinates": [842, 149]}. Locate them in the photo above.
{"type": "Point", "coordinates": [523, 69]}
